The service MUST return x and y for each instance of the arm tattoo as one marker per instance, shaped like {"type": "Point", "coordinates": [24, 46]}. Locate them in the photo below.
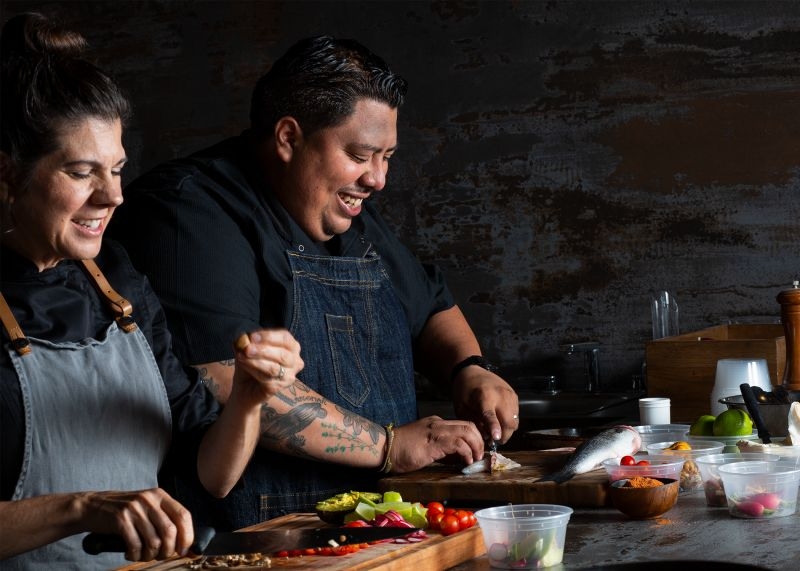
{"type": "Point", "coordinates": [208, 380]}
{"type": "Point", "coordinates": [283, 430]}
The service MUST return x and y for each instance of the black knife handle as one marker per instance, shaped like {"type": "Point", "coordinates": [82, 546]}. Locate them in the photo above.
{"type": "Point", "coordinates": [752, 406]}
{"type": "Point", "coordinates": [95, 543]}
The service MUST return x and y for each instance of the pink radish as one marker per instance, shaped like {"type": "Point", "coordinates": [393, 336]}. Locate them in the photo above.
{"type": "Point", "coordinates": [753, 509]}
{"type": "Point", "coordinates": [768, 500]}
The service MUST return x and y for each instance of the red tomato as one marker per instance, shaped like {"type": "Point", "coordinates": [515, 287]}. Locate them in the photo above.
{"type": "Point", "coordinates": [435, 507]}
{"type": "Point", "coordinates": [627, 461]}
{"type": "Point", "coordinates": [643, 463]}
{"type": "Point", "coordinates": [463, 519]}
{"type": "Point", "coordinates": [435, 520]}
{"type": "Point", "coordinates": [283, 553]}
{"type": "Point", "coordinates": [357, 523]}
{"type": "Point", "coordinates": [449, 511]}
{"type": "Point", "coordinates": [472, 519]}
{"type": "Point", "coordinates": [449, 524]}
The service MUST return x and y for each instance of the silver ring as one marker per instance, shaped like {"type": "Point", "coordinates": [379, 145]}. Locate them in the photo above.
{"type": "Point", "coordinates": [281, 373]}
{"type": "Point", "coordinates": [515, 416]}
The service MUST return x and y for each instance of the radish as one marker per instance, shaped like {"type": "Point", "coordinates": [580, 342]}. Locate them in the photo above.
{"type": "Point", "coordinates": [753, 509]}
{"type": "Point", "coordinates": [768, 500]}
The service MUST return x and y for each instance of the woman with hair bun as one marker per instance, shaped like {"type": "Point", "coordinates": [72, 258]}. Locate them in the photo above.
{"type": "Point", "coordinates": [93, 404]}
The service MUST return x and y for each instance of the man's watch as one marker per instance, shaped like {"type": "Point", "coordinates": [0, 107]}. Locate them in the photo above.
{"type": "Point", "coordinates": [472, 360]}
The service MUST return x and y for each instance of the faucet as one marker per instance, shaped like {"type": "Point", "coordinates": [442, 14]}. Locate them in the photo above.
{"type": "Point", "coordinates": [591, 362]}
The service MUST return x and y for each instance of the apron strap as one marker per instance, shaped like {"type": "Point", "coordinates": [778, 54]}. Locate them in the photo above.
{"type": "Point", "coordinates": [121, 307]}
{"type": "Point", "coordinates": [18, 340]}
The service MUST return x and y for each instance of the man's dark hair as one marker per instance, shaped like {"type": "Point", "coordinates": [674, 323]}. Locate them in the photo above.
{"type": "Point", "coordinates": [318, 82]}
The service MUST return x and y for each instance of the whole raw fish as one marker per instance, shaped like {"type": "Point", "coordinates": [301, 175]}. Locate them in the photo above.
{"type": "Point", "coordinates": [615, 442]}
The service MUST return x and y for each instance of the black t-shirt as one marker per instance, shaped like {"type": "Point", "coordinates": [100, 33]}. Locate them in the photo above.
{"type": "Point", "coordinates": [61, 304]}
{"type": "Point", "coordinates": [212, 238]}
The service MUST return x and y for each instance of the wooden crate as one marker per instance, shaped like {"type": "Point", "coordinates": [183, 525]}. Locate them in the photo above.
{"type": "Point", "coordinates": [683, 367]}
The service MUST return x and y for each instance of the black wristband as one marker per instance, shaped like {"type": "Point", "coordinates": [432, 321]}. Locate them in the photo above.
{"type": "Point", "coordinates": [472, 360]}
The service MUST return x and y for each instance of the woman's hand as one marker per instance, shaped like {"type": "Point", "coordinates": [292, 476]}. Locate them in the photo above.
{"type": "Point", "coordinates": [419, 443]}
{"type": "Point", "coordinates": [152, 523]}
{"type": "Point", "coordinates": [266, 362]}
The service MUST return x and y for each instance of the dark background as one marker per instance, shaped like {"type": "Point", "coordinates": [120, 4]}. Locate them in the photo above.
{"type": "Point", "coordinates": [560, 160]}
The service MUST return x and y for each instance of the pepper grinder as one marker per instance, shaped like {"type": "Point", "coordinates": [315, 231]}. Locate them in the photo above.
{"type": "Point", "coordinates": [790, 317]}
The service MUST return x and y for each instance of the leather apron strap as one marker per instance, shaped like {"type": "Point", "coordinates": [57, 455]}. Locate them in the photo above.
{"type": "Point", "coordinates": [121, 307]}
{"type": "Point", "coordinates": [18, 340]}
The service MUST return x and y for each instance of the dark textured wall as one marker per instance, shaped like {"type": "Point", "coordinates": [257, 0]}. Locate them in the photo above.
{"type": "Point", "coordinates": [561, 160]}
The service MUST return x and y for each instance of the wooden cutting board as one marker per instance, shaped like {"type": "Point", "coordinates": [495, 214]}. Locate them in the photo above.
{"type": "Point", "coordinates": [434, 553]}
{"type": "Point", "coordinates": [442, 482]}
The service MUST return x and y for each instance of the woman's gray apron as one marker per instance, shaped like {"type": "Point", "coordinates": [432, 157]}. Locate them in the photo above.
{"type": "Point", "coordinates": [356, 347]}
{"type": "Point", "coordinates": [97, 418]}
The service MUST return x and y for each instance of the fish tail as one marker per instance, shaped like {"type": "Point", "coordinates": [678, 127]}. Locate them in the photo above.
{"type": "Point", "coordinates": [558, 477]}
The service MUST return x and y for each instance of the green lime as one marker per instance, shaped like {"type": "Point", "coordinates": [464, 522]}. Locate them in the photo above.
{"type": "Point", "coordinates": [733, 422]}
{"type": "Point", "coordinates": [703, 426]}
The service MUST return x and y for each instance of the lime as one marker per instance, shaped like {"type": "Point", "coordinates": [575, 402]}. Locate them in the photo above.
{"type": "Point", "coordinates": [733, 422]}
{"type": "Point", "coordinates": [703, 426]}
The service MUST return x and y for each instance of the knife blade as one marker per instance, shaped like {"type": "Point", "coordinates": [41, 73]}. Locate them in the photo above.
{"type": "Point", "coordinates": [209, 542]}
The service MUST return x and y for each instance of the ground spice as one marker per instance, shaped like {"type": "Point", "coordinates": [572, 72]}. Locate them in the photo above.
{"type": "Point", "coordinates": [642, 482]}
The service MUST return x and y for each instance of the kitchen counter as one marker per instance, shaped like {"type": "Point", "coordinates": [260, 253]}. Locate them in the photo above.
{"type": "Point", "coordinates": [689, 531]}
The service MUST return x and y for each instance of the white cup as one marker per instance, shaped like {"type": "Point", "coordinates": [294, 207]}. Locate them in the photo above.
{"type": "Point", "coordinates": [654, 410]}
{"type": "Point", "coordinates": [733, 372]}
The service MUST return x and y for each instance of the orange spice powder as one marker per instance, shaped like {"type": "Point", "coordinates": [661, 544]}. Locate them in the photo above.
{"type": "Point", "coordinates": [642, 482]}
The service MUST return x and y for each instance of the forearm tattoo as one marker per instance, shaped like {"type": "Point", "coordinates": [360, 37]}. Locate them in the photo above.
{"type": "Point", "coordinates": [208, 379]}
{"type": "Point", "coordinates": [282, 430]}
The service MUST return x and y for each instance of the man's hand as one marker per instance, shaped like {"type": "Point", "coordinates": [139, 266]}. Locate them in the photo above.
{"type": "Point", "coordinates": [486, 399]}
{"type": "Point", "coordinates": [419, 443]}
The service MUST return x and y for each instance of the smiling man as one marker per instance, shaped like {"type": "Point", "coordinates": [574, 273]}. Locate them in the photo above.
{"type": "Point", "coordinates": [275, 228]}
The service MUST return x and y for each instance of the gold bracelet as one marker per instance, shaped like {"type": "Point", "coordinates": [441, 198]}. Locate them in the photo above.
{"type": "Point", "coordinates": [387, 462]}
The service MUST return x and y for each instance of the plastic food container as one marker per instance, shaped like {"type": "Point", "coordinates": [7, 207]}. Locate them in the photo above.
{"type": "Point", "coordinates": [728, 441]}
{"type": "Point", "coordinates": [660, 466]}
{"type": "Point", "coordinates": [690, 474]}
{"type": "Point", "coordinates": [709, 472]}
{"type": "Point", "coordinates": [524, 536]}
{"type": "Point", "coordinates": [660, 432]}
{"type": "Point", "coordinates": [760, 489]}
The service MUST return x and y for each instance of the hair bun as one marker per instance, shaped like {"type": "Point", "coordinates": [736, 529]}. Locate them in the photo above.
{"type": "Point", "coordinates": [32, 35]}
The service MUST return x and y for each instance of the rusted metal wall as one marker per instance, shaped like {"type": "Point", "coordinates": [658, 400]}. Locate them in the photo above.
{"type": "Point", "coordinates": [561, 160]}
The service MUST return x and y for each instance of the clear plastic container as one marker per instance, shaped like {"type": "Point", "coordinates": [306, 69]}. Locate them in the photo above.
{"type": "Point", "coordinates": [660, 432]}
{"type": "Point", "coordinates": [709, 472]}
{"type": "Point", "coordinates": [690, 473]}
{"type": "Point", "coordinates": [659, 466]}
{"type": "Point", "coordinates": [728, 441]}
{"type": "Point", "coordinates": [524, 536]}
{"type": "Point", "coordinates": [760, 489]}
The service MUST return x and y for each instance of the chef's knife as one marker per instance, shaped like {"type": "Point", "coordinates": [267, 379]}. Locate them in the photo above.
{"type": "Point", "coordinates": [208, 542]}
{"type": "Point", "coordinates": [751, 404]}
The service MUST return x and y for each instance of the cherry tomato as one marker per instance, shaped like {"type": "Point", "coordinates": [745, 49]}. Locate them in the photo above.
{"type": "Point", "coordinates": [435, 520]}
{"type": "Point", "coordinates": [357, 523]}
{"type": "Point", "coordinates": [435, 507]}
{"type": "Point", "coordinates": [463, 519]}
{"type": "Point", "coordinates": [449, 511]}
{"type": "Point", "coordinates": [449, 525]}
{"type": "Point", "coordinates": [627, 461]}
{"type": "Point", "coordinates": [472, 519]}
{"type": "Point", "coordinates": [643, 463]}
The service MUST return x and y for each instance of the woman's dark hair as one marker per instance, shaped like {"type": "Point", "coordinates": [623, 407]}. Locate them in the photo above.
{"type": "Point", "coordinates": [318, 82]}
{"type": "Point", "coordinates": [46, 85]}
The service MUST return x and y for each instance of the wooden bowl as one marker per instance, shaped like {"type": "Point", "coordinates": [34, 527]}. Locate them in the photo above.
{"type": "Point", "coordinates": [644, 503]}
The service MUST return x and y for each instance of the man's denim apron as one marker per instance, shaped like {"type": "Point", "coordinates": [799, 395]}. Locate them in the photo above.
{"type": "Point", "coordinates": [356, 346]}
{"type": "Point", "coordinates": [97, 418]}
